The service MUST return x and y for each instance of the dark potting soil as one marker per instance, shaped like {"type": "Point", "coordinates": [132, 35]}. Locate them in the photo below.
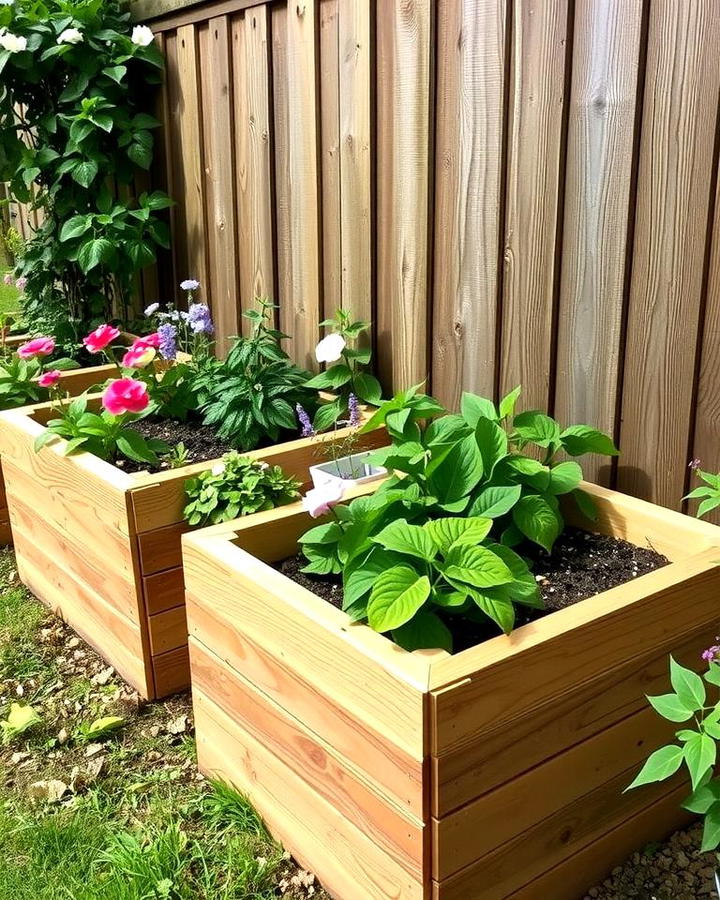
{"type": "Point", "coordinates": [581, 565]}
{"type": "Point", "coordinates": [201, 442]}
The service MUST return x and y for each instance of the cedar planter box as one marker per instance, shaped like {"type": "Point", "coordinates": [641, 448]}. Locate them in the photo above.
{"type": "Point", "coordinates": [101, 546]}
{"type": "Point", "coordinates": [73, 382]}
{"type": "Point", "coordinates": [497, 772]}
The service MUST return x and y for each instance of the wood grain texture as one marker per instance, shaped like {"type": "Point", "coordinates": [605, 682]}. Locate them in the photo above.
{"type": "Point", "coordinates": [214, 43]}
{"type": "Point", "coordinates": [468, 178]}
{"type": "Point", "coordinates": [253, 137]}
{"type": "Point", "coordinates": [598, 192]}
{"type": "Point", "coordinates": [171, 671]}
{"type": "Point", "coordinates": [404, 76]}
{"type": "Point", "coordinates": [350, 789]}
{"type": "Point", "coordinates": [167, 630]}
{"type": "Point", "coordinates": [537, 89]}
{"type": "Point", "coordinates": [676, 155]}
{"type": "Point", "coordinates": [164, 590]}
{"type": "Point", "coordinates": [355, 157]}
{"type": "Point", "coordinates": [300, 311]}
{"type": "Point", "coordinates": [187, 153]}
{"type": "Point", "coordinates": [330, 156]}
{"type": "Point", "coordinates": [305, 822]}
{"type": "Point", "coordinates": [283, 187]}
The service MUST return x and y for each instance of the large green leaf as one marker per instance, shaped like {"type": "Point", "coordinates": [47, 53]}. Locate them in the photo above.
{"type": "Point", "coordinates": [457, 472]}
{"type": "Point", "coordinates": [410, 539]}
{"type": "Point", "coordinates": [580, 439]}
{"type": "Point", "coordinates": [425, 631]}
{"type": "Point", "coordinates": [94, 252]}
{"type": "Point", "coordinates": [499, 609]}
{"type": "Point", "coordinates": [396, 596]}
{"type": "Point", "coordinates": [711, 829]}
{"type": "Point", "coordinates": [368, 388]}
{"type": "Point", "coordinates": [700, 754]}
{"type": "Point", "coordinates": [362, 573]}
{"type": "Point", "coordinates": [537, 520]}
{"type": "Point", "coordinates": [449, 531]}
{"type": "Point", "coordinates": [493, 443]}
{"type": "Point", "coordinates": [537, 427]}
{"type": "Point", "coordinates": [495, 501]}
{"type": "Point", "coordinates": [331, 378]}
{"type": "Point", "coordinates": [75, 227]}
{"type": "Point", "coordinates": [688, 686]}
{"type": "Point", "coordinates": [476, 566]}
{"type": "Point", "coordinates": [659, 765]}
{"type": "Point", "coordinates": [85, 172]}
{"type": "Point", "coordinates": [473, 407]}
{"type": "Point", "coordinates": [564, 477]}
{"type": "Point", "coordinates": [670, 707]}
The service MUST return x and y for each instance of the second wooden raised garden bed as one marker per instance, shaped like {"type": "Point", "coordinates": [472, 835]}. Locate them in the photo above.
{"type": "Point", "coordinates": [494, 773]}
{"type": "Point", "coordinates": [102, 547]}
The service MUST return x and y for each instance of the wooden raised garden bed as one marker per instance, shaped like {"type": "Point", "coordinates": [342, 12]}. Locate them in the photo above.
{"type": "Point", "coordinates": [74, 383]}
{"type": "Point", "coordinates": [102, 547]}
{"type": "Point", "coordinates": [497, 772]}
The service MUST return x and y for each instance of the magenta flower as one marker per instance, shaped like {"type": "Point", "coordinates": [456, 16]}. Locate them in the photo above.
{"type": "Point", "coordinates": [49, 379]}
{"type": "Point", "coordinates": [711, 654]}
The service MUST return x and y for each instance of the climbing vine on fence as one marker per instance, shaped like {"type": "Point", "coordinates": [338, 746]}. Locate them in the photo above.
{"type": "Point", "coordinates": [74, 131]}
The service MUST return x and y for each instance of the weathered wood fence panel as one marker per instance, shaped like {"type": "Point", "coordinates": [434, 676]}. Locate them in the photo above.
{"type": "Point", "coordinates": [513, 190]}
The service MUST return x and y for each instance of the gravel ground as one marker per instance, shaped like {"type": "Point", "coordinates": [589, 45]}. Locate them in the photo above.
{"type": "Point", "coordinates": [673, 870]}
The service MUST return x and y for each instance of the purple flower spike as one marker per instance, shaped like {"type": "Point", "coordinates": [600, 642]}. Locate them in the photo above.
{"type": "Point", "coordinates": [304, 419]}
{"type": "Point", "coordinates": [354, 410]}
{"type": "Point", "coordinates": [168, 341]}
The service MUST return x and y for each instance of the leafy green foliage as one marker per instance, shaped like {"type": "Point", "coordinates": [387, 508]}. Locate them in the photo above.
{"type": "Point", "coordinates": [347, 375]}
{"type": "Point", "coordinates": [435, 540]}
{"type": "Point", "coordinates": [238, 486]}
{"type": "Point", "coordinates": [18, 381]}
{"type": "Point", "coordinates": [707, 493]}
{"type": "Point", "coordinates": [101, 434]}
{"type": "Point", "coordinates": [250, 397]}
{"type": "Point", "coordinates": [71, 122]}
{"type": "Point", "coordinates": [697, 742]}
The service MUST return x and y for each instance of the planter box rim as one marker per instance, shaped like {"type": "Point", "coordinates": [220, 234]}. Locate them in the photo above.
{"type": "Point", "coordinates": [444, 669]}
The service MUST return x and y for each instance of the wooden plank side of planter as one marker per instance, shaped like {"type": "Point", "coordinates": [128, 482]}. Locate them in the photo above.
{"type": "Point", "coordinates": [167, 630]}
{"type": "Point", "coordinates": [355, 668]}
{"type": "Point", "coordinates": [544, 793]}
{"type": "Point", "coordinates": [171, 671]}
{"type": "Point", "coordinates": [511, 749]}
{"type": "Point", "coordinates": [573, 646]}
{"type": "Point", "coordinates": [164, 591]}
{"type": "Point", "coordinates": [161, 549]}
{"type": "Point", "coordinates": [160, 500]}
{"type": "Point", "coordinates": [114, 636]}
{"type": "Point", "coordinates": [571, 878]}
{"type": "Point", "coordinates": [348, 862]}
{"type": "Point", "coordinates": [349, 789]}
{"type": "Point", "coordinates": [398, 773]}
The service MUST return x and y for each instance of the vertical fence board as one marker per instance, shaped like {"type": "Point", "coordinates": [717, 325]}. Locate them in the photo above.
{"type": "Point", "coordinates": [355, 199]}
{"type": "Point", "coordinates": [302, 308]}
{"type": "Point", "coordinates": [279, 32]}
{"type": "Point", "coordinates": [219, 177]}
{"type": "Point", "coordinates": [254, 163]}
{"type": "Point", "coordinates": [674, 188]}
{"type": "Point", "coordinates": [403, 177]}
{"type": "Point", "coordinates": [188, 181]}
{"type": "Point", "coordinates": [330, 156]}
{"type": "Point", "coordinates": [597, 203]}
{"type": "Point", "coordinates": [469, 153]}
{"type": "Point", "coordinates": [534, 151]}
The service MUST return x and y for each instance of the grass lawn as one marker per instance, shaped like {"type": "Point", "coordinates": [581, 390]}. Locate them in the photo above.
{"type": "Point", "coordinates": [9, 297]}
{"type": "Point", "coordinates": [119, 816]}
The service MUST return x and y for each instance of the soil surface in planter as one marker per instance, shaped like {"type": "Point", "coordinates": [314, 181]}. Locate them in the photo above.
{"type": "Point", "coordinates": [581, 565]}
{"type": "Point", "coordinates": [201, 442]}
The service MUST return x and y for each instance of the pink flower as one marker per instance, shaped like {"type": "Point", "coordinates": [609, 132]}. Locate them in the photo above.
{"type": "Point", "coordinates": [21, 283]}
{"type": "Point", "coordinates": [125, 395]}
{"type": "Point", "coordinates": [102, 336]}
{"type": "Point", "coordinates": [147, 340]}
{"type": "Point", "coordinates": [42, 346]}
{"type": "Point", "coordinates": [320, 500]}
{"type": "Point", "coordinates": [137, 357]}
{"type": "Point", "coordinates": [49, 379]}
{"type": "Point", "coordinates": [8, 278]}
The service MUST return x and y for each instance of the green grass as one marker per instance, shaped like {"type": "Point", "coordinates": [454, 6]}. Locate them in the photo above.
{"type": "Point", "coordinates": [145, 828]}
{"type": "Point", "coordinates": [9, 297]}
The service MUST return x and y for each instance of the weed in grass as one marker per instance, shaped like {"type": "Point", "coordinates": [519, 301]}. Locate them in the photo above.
{"type": "Point", "coordinates": [224, 807]}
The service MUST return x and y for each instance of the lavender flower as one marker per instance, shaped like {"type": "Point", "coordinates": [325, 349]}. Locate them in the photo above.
{"type": "Point", "coordinates": [152, 309]}
{"type": "Point", "coordinates": [190, 284]}
{"type": "Point", "coordinates": [354, 410]}
{"type": "Point", "coordinates": [21, 283]}
{"type": "Point", "coordinates": [8, 278]}
{"type": "Point", "coordinates": [199, 319]}
{"type": "Point", "coordinates": [711, 654]}
{"type": "Point", "coordinates": [168, 341]}
{"type": "Point", "coordinates": [694, 464]}
{"type": "Point", "coordinates": [304, 419]}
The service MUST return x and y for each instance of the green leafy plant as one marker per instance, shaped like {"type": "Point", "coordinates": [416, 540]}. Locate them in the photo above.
{"type": "Point", "coordinates": [707, 493]}
{"type": "Point", "coordinates": [435, 539]}
{"type": "Point", "coordinates": [18, 380]}
{"type": "Point", "coordinates": [75, 76]}
{"type": "Point", "coordinates": [178, 457]}
{"type": "Point", "coordinates": [99, 728]}
{"type": "Point", "coordinates": [250, 397]}
{"type": "Point", "coordinates": [237, 486]}
{"type": "Point", "coordinates": [102, 434]}
{"type": "Point", "coordinates": [346, 373]}
{"type": "Point", "coordinates": [696, 749]}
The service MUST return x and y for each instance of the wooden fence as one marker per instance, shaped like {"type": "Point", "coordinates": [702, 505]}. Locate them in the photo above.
{"type": "Point", "coordinates": [514, 191]}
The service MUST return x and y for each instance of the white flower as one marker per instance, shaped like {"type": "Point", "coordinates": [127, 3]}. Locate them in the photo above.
{"type": "Point", "coordinates": [330, 348]}
{"type": "Point", "coordinates": [142, 36]}
{"type": "Point", "coordinates": [218, 468]}
{"type": "Point", "coordinates": [152, 309]}
{"type": "Point", "coordinates": [13, 43]}
{"type": "Point", "coordinates": [71, 36]}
